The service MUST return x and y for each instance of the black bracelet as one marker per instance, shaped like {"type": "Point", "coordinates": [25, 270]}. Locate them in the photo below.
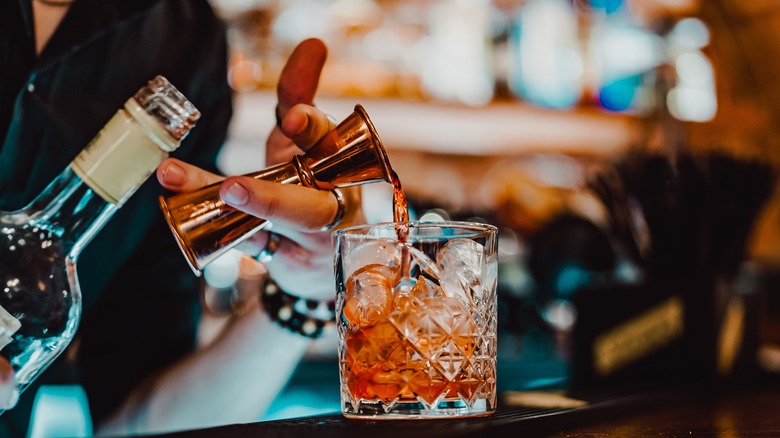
{"type": "Point", "coordinates": [303, 316]}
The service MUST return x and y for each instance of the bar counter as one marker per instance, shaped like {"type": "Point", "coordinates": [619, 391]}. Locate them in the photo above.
{"type": "Point", "coordinates": [748, 411]}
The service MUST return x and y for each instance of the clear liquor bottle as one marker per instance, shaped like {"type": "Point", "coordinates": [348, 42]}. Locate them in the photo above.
{"type": "Point", "coordinates": [40, 299]}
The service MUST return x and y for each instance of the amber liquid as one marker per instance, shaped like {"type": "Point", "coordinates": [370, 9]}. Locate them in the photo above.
{"type": "Point", "coordinates": [400, 204]}
{"type": "Point", "coordinates": [422, 349]}
{"type": "Point", "coordinates": [400, 207]}
{"type": "Point", "coordinates": [387, 365]}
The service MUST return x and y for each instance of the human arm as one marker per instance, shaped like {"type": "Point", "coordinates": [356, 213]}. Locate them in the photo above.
{"type": "Point", "coordinates": [237, 376]}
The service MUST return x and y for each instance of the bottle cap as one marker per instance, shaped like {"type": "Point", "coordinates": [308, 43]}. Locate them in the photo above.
{"type": "Point", "coordinates": [168, 106]}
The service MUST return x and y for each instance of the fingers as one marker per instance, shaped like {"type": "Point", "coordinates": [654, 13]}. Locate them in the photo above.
{"type": "Point", "coordinates": [289, 206]}
{"type": "Point", "coordinates": [301, 129]}
{"type": "Point", "coordinates": [301, 75]}
{"type": "Point", "coordinates": [306, 125]}
{"type": "Point", "coordinates": [298, 85]}
{"type": "Point", "coordinates": [179, 176]}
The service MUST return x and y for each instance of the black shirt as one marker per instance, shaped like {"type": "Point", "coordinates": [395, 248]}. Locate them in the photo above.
{"type": "Point", "coordinates": [140, 297]}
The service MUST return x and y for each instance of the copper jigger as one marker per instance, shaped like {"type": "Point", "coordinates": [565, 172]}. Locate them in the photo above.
{"type": "Point", "coordinates": [205, 227]}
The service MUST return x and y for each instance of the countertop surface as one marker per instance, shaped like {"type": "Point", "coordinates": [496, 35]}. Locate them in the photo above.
{"type": "Point", "coordinates": [749, 411]}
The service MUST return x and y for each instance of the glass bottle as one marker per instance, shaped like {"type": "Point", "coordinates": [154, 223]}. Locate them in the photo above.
{"type": "Point", "coordinates": [40, 299]}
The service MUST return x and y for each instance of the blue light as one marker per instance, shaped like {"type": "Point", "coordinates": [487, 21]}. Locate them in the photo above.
{"type": "Point", "coordinates": [609, 6]}
{"type": "Point", "coordinates": [618, 95]}
{"type": "Point", "coordinates": [60, 410]}
{"type": "Point", "coordinates": [301, 402]}
{"type": "Point", "coordinates": [547, 67]}
{"type": "Point", "coordinates": [571, 279]}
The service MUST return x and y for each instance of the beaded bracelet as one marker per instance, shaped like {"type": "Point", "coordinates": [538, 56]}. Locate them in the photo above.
{"type": "Point", "coordinates": [303, 316]}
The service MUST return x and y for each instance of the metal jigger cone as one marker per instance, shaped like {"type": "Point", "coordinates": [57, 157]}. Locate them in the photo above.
{"type": "Point", "coordinates": [205, 227]}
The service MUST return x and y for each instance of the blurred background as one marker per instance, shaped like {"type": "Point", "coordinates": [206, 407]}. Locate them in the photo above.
{"type": "Point", "coordinates": [625, 149]}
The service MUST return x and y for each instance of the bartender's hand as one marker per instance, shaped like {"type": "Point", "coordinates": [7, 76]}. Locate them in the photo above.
{"type": "Point", "coordinates": [219, 384]}
{"type": "Point", "coordinates": [303, 262]}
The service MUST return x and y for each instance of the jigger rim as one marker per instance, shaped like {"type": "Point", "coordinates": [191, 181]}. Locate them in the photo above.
{"type": "Point", "coordinates": [388, 170]}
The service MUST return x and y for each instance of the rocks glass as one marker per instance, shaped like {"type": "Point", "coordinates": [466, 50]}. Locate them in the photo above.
{"type": "Point", "coordinates": [416, 314]}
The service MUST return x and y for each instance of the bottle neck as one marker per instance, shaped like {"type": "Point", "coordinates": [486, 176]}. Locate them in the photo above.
{"type": "Point", "coordinates": [123, 154]}
{"type": "Point", "coordinates": [71, 210]}
{"type": "Point", "coordinates": [77, 204]}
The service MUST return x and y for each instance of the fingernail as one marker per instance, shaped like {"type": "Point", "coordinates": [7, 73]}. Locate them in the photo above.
{"type": "Point", "coordinates": [236, 195]}
{"type": "Point", "coordinates": [173, 175]}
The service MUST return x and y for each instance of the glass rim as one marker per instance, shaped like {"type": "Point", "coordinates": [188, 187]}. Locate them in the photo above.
{"type": "Point", "coordinates": [355, 230]}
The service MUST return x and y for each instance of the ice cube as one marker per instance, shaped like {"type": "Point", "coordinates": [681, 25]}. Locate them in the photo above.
{"type": "Point", "coordinates": [425, 288]}
{"type": "Point", "coordinates": [368, 295]}
{"type": "Point", "coordinates": [424, 265]}
{"type": "Point", "coordinates": [460, 266]}
{"type": "Point", "coordinates": [408, 294]}
{"type": "Point", "coordinates": [386, 252]}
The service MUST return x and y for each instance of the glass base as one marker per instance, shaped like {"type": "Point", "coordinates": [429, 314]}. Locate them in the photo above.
{"type": "Point", "coordinates": [378, 410]}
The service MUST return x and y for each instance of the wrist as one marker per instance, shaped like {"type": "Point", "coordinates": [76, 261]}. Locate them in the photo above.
{"type": "Point", "coordinates": [304, 316]}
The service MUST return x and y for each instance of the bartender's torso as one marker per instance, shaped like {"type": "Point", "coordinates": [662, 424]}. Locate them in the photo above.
{"type": "Point", "coordinates": [140, 300]}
